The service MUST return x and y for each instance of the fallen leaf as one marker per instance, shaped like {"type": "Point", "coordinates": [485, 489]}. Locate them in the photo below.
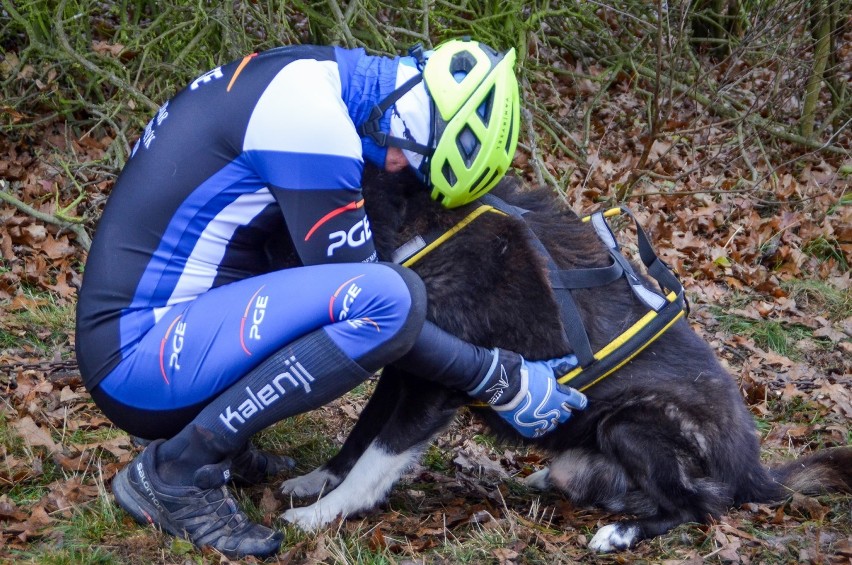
{"type": "Point", "coordinates": [268, 502]}
{"type": "Point", "coordinates": [106, 48]}
{"type": "Point", "coordinates": [33, 435]}
{"type": "Point", "coordinates": [57, 248]}
{"type": "Point", "coordinates": [9, 510]}
{"type": "Point", "coordinates": [67, 395]}
{"type": "Point", "coordinates": [833, 335]}
{"type": "Point", "coordinates": [809, 507]}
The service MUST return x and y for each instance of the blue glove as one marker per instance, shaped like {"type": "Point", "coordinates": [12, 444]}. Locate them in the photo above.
{"type": "Point", "coordinates": [542, 403]}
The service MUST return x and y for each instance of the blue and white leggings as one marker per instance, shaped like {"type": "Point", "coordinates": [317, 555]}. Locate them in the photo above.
{"type": "Point", "coordinates": [373, 312]}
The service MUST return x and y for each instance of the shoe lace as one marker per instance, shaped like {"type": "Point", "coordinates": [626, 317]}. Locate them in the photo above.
{"type": "Point", "coordinates": [218, 502]}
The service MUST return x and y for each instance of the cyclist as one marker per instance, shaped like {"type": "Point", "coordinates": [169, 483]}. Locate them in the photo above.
{"type": "Point", "coordinates": [191, 330]}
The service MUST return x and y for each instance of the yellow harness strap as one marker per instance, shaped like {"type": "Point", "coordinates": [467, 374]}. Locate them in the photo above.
{"type": "Point", "coordinates": [629, 343]}
{"type": "Point", "coordinates": [450, 233]}
{"type": "Point", "coordinates": [622, 340]}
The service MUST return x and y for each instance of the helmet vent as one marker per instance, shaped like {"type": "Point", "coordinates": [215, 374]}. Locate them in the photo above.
{"type": "Point", "coordinates": [461, 64]}
{"type": "Point", "coordinates": [448, 173]}
{"type": "Point", "coordinates": [511, 135]}
{"type": "Point", "coordinates": [479, 184]}
{"type": "Point", "coordinates": [468, 145]}
{"type": "Point", "coordinates": [484, 109]}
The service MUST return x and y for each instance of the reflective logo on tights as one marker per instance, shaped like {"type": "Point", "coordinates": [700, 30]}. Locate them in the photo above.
{"type": "Point", "coordinates": [348, 292]}
{"type": "Point", "coordinates": [257, 400]}
{"type": "Point", "coordinates": [174, 341]}
{"type": "Point", "coordinates": [355, 236]}
{"type": "Point", "coordinates": [250, 324]}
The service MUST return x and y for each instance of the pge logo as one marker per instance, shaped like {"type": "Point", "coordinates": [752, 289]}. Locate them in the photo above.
{"type": "Point", "coordinates": [356, 236]}
{"type": "Point", "coordinates": [361, 322]}
{"type": "Point", "coordinates": [177, 342]}
{"type": "Point", "coordinates": [206, 77]}
{"type": "Point", "coordinates": [348, 299]}
{"type": "Point", "coordinates": [253, 317]}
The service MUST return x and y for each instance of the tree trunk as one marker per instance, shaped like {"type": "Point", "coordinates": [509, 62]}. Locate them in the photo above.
{"type": "Point", "coordinates": [821, 23]}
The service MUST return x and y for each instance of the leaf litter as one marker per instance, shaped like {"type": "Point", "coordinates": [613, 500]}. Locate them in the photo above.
{"type": "Point", "coordinates": [722, 240]}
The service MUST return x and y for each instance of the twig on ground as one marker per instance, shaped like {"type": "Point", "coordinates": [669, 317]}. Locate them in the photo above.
{"type": "Point", "coordinates": [67, 224]}
{"type": "Point", "coordinates": [342, 24]}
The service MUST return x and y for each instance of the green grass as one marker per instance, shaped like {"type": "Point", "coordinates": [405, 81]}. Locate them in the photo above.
{"type": "Point", "coordinates": [42, 327]}
{"type": "Point", "coordinates": [9, 440]}
{"type": "Point", "coordinates": [76, 555]}
{"type": "Point", "coordinates": [435, 459]}
{"type": "Point", "coordinates": [825, 249]}
{"type": "Point", "coordinates": [814, 295]}
{"type": "Point", "coordinates": [305, 438]}
{"type": "Point", "coordinates": [767, 334]}
{"type": "Point", "coordinates": [85, 436]}
{"type": "Point", "coordinates": [85, 538]}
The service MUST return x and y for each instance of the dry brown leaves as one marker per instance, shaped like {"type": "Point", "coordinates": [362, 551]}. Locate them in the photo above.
{"type": "Point", "coordinates": [44, 411]}
{"type": "Point", "coordinates": [719, 234]}
{"type": "Point", "coordinates": [35, 253]}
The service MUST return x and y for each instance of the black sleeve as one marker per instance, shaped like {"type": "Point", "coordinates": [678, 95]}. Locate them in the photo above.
{"type": "Point", "coordinates": [327, 225]}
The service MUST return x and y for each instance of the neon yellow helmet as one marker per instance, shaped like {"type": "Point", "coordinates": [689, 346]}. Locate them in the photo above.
{"type": "Point", "coordinates": [475, 120]}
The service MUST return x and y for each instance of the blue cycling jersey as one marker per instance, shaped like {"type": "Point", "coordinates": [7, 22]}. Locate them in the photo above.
{"type": "Point", "coordinates": [254, 166]}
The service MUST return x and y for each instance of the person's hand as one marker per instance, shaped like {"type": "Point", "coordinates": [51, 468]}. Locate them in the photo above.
{"type": "Point", "coordinates": [542, 403]}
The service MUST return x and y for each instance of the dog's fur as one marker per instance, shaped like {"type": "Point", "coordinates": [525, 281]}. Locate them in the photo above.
{"type": "Point", "coordinates": [666, 438]}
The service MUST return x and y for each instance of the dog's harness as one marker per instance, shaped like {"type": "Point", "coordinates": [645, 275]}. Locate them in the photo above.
{"type": "Point", "coordinates": [664, 309]}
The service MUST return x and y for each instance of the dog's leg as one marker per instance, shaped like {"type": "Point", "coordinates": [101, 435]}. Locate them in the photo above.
{"type": "Point", "coordinates": [589, 478]}
{"type": "Point", "coordinates": [366, 486]}
{"type": "Point", "coordinates": [327, 476]}
{"type": "Point", "coordinates": [667, 468]}
{"type": "Point", "coordinates": [422, 411]}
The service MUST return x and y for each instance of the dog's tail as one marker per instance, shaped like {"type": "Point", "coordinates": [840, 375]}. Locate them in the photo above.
{"type": "Point", "coordinates": [821, 472]}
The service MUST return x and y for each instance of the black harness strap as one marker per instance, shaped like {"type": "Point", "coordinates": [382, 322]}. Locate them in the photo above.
{"type": "Point", "coordinates": [664, 309]}
{"type": "Point", "coordinates": [372, 125]}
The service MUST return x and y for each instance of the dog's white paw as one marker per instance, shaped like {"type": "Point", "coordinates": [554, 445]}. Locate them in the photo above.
{"type": "Point", "coordinates": [540, 480]}
{"type": "Point", "coordinates": [614, 537]}
{"type": "Point", "coordinates": [318, 481]}
{"type": "Point", "coordinates": [313, 517]}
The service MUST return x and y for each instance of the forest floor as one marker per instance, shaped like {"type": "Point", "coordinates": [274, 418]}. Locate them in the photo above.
{"type": "Point", "coordinates": [764, 252]}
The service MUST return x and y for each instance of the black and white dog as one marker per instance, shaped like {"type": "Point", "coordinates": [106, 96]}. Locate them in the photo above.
{"type": "Point", "coordinates": [667, 438]}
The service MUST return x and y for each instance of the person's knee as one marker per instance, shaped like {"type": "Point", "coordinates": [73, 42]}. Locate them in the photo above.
{"type": "Point", "coordinates": [404, 292]}
{"type": "Point", "coordinates": [414, 290]}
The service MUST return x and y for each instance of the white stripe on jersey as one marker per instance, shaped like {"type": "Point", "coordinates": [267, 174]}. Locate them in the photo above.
{"type": "Point", "coordinates": [200, 270]}
{"type": "Point", "coordinates": [302, 111]}
{"type": "Point", "coordinates": [160, 312]}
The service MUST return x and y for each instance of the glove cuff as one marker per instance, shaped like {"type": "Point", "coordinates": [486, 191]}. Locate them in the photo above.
{"type": "Point", "coordinates": [522, 393]}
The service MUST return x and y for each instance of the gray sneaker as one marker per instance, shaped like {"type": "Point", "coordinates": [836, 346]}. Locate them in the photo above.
{"type": "Point", "coordinates": [205, 513]}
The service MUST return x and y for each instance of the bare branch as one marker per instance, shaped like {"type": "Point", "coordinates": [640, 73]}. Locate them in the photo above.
{"type": "Point", "coordinates": [78, 230]}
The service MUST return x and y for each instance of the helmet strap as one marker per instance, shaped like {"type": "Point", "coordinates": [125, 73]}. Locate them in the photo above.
{"type": "Point", "coordinates": [416, 52]}
{"type": "Point", "coordinates": [372, 126]}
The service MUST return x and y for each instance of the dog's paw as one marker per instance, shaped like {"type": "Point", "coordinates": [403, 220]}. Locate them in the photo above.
{"type": "Point", "coordinates": [614, 537]}
{"type": "Point", "coordinates": [540, 480]}
{"type": "Point", "coordinates": [319, 481]}
{"type": "Point", "coordinates": [311, 518]}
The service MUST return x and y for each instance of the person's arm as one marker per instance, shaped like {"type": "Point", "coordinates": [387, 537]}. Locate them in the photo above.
{"type": "Point", "coordinates": [327, 225]}
{"type": "Point", "coordinates": [524, 393]}
{"type": "Point", "coordinates": [303, 145]}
